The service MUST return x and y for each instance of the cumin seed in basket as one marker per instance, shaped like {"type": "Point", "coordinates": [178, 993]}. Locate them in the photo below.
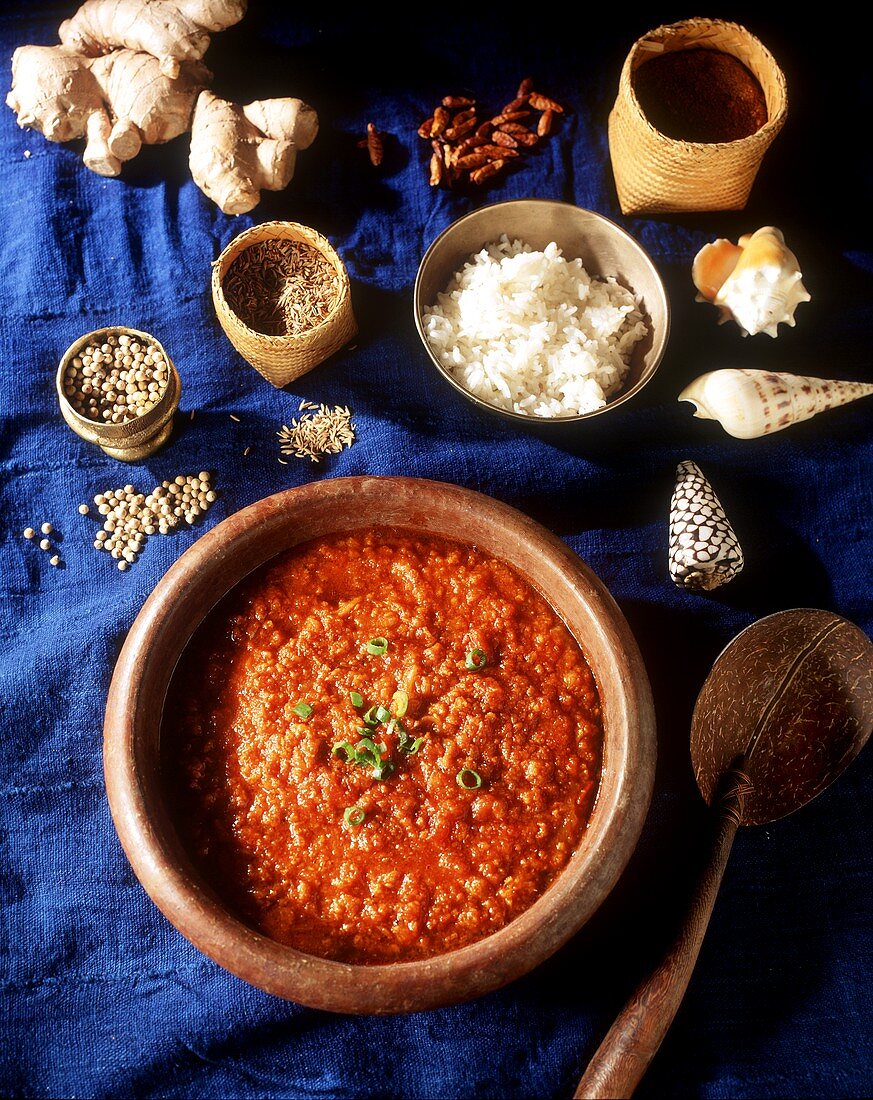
{"type": "Point", "coordinates": [281, 287]}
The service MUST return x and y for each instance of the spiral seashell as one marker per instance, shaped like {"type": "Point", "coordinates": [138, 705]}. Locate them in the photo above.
{"type": "Point", "coordinates": [752, 403]}
{"type": "Point", "coordinates": [757, 282]}
{"type": "Point", "coordinates": [704, 551]}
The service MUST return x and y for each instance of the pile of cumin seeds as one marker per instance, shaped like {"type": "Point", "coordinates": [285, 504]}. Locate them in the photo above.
{"type": "Point", "coordinates": [319, 431]}
{"type": "Point", "coordinates": [281, 287]}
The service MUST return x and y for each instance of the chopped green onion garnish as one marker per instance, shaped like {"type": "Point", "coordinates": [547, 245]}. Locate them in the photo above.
{"type": "Point", "coordinates": [303, 709]}
{"type": "Point", "coordinates": [354, 815]}
{"type": "Point", "coordinates": [382, 714]}
{"type": "Point", "coordinates": [356, 698]}
{"type": "Point", "coordinates": [377, 646]}
{"type": "Point", "coordinates": [370, 717]}
{"type": "Point", "coordinates": [400, 701]}
{"type": "Point", "coordinates": [383, 770]}
{"type": "Point", "coordinates": [468, 779]}
{"type": "Point", "coordinates": [475, 660]}
{"type": "Point", "coordinates": [366, 754]}
{"type": "Point", "coordinates": [412, 748]}
{"type": "Point", "coordinates": [345, 747]}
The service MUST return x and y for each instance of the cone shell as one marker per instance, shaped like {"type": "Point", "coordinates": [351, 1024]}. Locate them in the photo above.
{"type": "Point", "coordinates": [757, 282]}
{"type": "Point", "coordinates": [752, 403]}
{"type": "Point", "coordinates": [704, 551]}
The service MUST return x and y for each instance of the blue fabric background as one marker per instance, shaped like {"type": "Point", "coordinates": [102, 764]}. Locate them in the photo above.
{"type": "Point", "coordinates": [100, 996]}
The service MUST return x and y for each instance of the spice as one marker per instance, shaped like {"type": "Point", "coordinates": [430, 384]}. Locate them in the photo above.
{"type": "Point", "coordinates": [131, 517]}
{"type": "Point", "coordinates": [700, 95]}
{"type": "Point", "coordinates": [84, 509]}
{"type": "Point", "coordinates": [373, 143]}
{"type": "Point", "coordinates": [319, 431]}
{"type": "Point", "coordinates": [281, 287]}
{"type": "Point", "coordinates": [118, 380]}
{"type": "Point", "coordinates": [466, 148]}
{"type": "Point", "coordinates": [54, 560]}
{"type": "Point", "coordinates": [46, 528]}
{"type": "Point", "coordinates": [29, 533]}
{"type": "Point", "coordinates": [44, 544]}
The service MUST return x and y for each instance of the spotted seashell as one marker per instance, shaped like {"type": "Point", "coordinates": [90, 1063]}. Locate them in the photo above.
{"type": "Point", "coordinates": [704, 551]}
{"type": "Point", "coordinates": [752, 403]}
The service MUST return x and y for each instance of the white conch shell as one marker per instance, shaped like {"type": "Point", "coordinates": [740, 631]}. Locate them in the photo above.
{"type": "Point", "coordinates": [751, 403]}
{"type": "Point", "coordinates": [704, 551]}
{"type": "Point", "coordinates": [757, 282]}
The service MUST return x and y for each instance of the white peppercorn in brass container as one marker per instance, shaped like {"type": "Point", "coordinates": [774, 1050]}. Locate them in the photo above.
{"type": "Point", "coordinates": [127, 439]}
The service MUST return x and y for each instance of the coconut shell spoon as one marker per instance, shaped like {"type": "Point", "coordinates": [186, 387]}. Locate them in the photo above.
{"type": "Point", "coordinates": [787, 707]}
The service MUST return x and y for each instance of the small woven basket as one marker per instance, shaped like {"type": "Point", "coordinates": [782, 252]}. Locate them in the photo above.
{"type": "Point", "coordinates": [658, 174]}
{"type": "Point", "coordinates": [135, 439]}
{"type": "Point", "coordinates": [281, 359]}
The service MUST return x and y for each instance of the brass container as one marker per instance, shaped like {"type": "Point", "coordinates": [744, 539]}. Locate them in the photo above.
{"type": "Point", "coordinates": [137, 438]}
{"type": "Point", "coordinates": [281, 359]}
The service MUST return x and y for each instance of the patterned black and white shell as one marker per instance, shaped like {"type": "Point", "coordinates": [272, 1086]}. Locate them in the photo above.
{"type": "Point", "coordinates": [704, 551]}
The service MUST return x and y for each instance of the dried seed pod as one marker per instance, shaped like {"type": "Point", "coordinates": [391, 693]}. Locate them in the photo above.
{"type": "Point", "coordinates": [525, 88]}
{"type": "Point", "coordinates": [437, 169]}
{"type": "Point", "coordinates": [752, 403]}
{"type": "Point", "coordinates": [441, 118]}
{"type": "Point", "coordinates": [464, 116]}
{"type": "Point", "coordinates": [514, 128]}
{"type": "Point", "coordinates": [425, 130]}
{"type": "Point", "coordinates": [543, 103]}
{"type": "Point", "coordinates": [455, 133]}
{"type": "Point", "coordinates": [757, 283]}
{"type": "Point", "coordinates": [374, 145]}
{"type": "Point", "coordinates": [544, 126]}
{"type": "Point", "coordinates": [484, 130]}
{"type": "Point", "coordinates": [496, 151]}
{"type": "Point", "coordinates": [525, 138]}
{"type": "Point", "coordinates": [458, 101]}
{"type": "Point", "coordinates": [704, 551]}
{"type": "Point", "coordinates": [471, 142]}
{"type": "Point", "coordinates": [473, 160]}
{"type": "Point", "coordinates": [509, 116]}
{"type": "Point", "coordinates": [516, 105]}
{"type": "Point", "coordinates": [506, 141]}
{"type": "Point", "coordinates": [487, 171]}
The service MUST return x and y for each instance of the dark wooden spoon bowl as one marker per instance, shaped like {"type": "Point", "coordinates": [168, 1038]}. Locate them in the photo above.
{"type": "Point", "coordinates": [787, 707]}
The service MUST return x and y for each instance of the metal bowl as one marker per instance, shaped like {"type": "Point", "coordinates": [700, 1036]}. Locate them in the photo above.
{"type": "Point", "coordinates": [603, 247]}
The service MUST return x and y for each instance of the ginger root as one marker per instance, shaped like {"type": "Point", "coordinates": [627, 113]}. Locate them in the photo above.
{"type": "Point", "coordinates": [236, 150]}
{"type": "Point", "coordinates": [171, 30]}
{"type": "Point", "coordinates": [118, 102]}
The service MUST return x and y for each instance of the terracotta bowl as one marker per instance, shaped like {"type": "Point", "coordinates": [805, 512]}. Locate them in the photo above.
{"type": "Point", "coordinates": [604, 249]}
{"type": "Point", "coordinates": [213, 566]}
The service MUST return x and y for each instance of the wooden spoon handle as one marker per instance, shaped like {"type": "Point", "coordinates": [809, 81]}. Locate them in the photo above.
{"type": "Point", "coordinates": [633, 1040]}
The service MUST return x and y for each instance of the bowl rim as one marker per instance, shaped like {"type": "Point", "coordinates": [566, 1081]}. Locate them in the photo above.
{"type": "Point", "coordinates": [276, 230]}
{"type": "Point", "coordinates": [527, 940]}
{"type": "Point", "coordinates": [511, 414]}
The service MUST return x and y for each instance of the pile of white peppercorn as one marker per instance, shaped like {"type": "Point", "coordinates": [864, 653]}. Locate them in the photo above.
{"type": "Point", "coordinates": [118, 380]}
{"type": "Point", "coordinates": [130, 517]}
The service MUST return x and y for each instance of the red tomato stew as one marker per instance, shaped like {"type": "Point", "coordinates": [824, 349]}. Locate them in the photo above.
{"type": "Point", "coordinates": [383, 746]}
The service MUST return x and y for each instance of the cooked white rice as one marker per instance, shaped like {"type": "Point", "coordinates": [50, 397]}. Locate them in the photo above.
{"type": "Point", "coordinates": [533, 332]}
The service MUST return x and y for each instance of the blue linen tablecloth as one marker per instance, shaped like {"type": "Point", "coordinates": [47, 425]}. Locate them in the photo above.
{"type": "Point", "coordinates": [101, 997]}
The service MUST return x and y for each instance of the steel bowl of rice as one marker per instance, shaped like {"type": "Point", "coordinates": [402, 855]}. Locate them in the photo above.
{"type": "Point", "coordinates": [541, 311]}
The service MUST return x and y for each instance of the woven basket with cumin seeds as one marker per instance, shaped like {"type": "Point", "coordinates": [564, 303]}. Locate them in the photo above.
{"type": "Point", "coordinates": [282, 296]}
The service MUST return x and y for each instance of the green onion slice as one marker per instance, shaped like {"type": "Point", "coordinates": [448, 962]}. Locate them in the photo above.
{"type": "Point", "coordinates": [370, 717]}
{"type": "Point", "coordinates": [412, 748]}
{"type": "Point", "coordinates": [382, 714]}
{"type": "Point", "coordinates": [357, 700]}
{"type": "Point", "coordinates": [468, 779]}
{"type": "Point", "coordinates": [377, 646]}
{"type": "Point", "coordinates": [400, 702]}
{"type": "Point", "coordinates": [303, 709]}
{"type": "Point", "coordinates": [354, 815]}
{"type": "Point", "coordinates": [347, 748]}
{"type": "Point", "coordinates": [476, 659]}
